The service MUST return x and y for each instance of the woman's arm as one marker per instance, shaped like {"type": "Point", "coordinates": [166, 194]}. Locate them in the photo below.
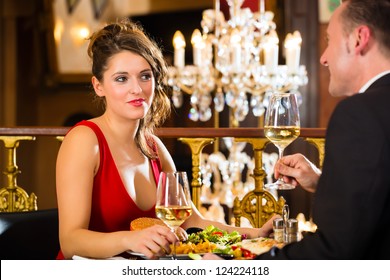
{"type": "Point", "coordinates": [197, 220]}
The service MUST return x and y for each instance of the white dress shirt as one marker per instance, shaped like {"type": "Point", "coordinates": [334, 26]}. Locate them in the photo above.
{"type": "Point", "coordinates": [372, 80]}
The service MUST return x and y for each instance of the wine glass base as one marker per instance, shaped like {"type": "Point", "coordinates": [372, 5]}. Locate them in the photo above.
{"type": "Point", "coordinates": [279, 186]}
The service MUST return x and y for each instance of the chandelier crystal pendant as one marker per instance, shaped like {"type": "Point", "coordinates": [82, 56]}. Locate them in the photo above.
{"type": "Point", "coordinates": [232, 60]}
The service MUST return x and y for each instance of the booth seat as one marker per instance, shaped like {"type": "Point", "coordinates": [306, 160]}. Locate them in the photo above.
{"type": "Point", "coordinates": [31, 235]}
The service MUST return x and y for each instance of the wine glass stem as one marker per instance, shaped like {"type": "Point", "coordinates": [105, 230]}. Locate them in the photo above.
{"type": "Point", "coordinates": [281, 150]}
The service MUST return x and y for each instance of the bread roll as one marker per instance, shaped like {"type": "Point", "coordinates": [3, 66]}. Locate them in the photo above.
{"type": "Point", "coordinates": [145, 222]}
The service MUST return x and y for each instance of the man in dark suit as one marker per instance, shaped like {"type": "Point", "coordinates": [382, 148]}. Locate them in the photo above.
{"type": "Point", "coordinates": [352, 195]}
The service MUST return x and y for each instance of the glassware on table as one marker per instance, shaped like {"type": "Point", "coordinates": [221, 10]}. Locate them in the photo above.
{"type": "Point", "coordinates": [173, 205]}
{"type": "Point", "coordinates": [281, 127]}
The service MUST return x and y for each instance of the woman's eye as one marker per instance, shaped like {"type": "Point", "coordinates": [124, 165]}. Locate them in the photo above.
{"type": "Point", "coordinates": [146, 77]}
{"type": "Point", "coordinates": [121, 79]}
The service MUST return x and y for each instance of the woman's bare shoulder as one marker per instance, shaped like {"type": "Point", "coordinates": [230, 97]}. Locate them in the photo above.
{"type": "Point", "coordinates": [81, 139]}
{"type": "Point", "coordinates": [81, 133]}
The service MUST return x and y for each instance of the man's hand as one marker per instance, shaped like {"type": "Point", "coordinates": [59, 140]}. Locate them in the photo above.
{"type": "Point", "coordinates": [298, 170]}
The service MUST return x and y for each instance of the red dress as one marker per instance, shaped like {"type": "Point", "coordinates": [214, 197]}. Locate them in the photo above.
{"type": "Point", "coordinates": [112, 207]}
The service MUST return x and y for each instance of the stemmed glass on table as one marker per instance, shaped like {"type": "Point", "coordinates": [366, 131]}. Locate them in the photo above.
{"type": "Point", "coordinates": [281, 127]}
{"type": "Point", "coordinates": [173, 205]}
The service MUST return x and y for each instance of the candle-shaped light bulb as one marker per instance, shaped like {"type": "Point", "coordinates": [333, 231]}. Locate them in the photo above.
{"type": "Point", "coordinates": [197, 46]}
{"type": "Point", "coordinates": [271, 52]}
{"type": "Point", "coordinates": [179, 45]}
{"type": "Point", "coordinates": [196, 38]}
{"type": "Point", "coordinates": [293, 51]}
{"type": "Point", "coordinates": [235, 41]}
{"type": "Point", "coordinates": [261, 6]}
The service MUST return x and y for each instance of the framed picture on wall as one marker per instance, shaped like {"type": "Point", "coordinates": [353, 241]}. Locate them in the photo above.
{"type": "Point", "coordinates": [326, 8]}
{"type": "Point", "coordinates": [71, 22]}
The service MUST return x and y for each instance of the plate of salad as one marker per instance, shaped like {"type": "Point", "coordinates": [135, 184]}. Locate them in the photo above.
{"type": "Point", "coordinates": [214, 240]}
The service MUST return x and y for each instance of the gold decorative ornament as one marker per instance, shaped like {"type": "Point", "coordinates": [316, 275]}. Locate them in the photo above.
{"type": "Point", "coordinates": [319, 143]}
{"type": "Point", "coordinates": [12, 197]}
{"type": "Point", "coordinates": [196, 145]}
{"type": "Point", "coordinates": [259, 204]}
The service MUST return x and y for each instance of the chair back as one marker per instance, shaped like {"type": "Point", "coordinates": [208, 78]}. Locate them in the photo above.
{"type": "Point", "coordinates": [31, 235]}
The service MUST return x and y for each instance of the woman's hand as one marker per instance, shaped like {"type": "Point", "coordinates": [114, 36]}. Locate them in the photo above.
{"type": "Point", "coordinates": [181, 234]}
{"type": "Point", "coordinates": [298, 170]}
{"type": "Point", "coordinates": [152, 242]}
{"type": "Point", "coordinates": [211, 256]}
{"type": "Point", "coordinates": [267, 228]}
{"type": "Point", "coordinates": [265, 231]}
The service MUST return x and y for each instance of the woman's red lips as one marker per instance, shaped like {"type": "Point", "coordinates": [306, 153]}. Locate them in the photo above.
{"type": "Point", "coordinates": [137, 102]}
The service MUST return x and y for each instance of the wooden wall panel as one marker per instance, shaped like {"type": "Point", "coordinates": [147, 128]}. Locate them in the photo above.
{"type": "Point", "coordinates": [303, 16]}
{"type": "Point", "coordinates": [326, 101]}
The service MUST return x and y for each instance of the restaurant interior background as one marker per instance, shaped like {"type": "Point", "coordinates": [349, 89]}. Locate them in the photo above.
{"type": "Point", "coordinates": [34, 91]}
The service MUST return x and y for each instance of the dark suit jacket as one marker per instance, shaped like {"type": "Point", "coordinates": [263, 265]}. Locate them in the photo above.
{"type": "Point", "coordinates": [352, 203]}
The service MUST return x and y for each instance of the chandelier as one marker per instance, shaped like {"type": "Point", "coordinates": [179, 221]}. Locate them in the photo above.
{"type": "Point", "coordinates": [235, 62]}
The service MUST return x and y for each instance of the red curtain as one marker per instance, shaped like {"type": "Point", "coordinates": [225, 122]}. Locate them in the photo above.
{"type": "Point", "coordinates": [252, 4]}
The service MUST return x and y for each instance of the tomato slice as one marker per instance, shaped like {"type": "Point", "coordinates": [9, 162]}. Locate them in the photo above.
{"type": "Point", "coordinates": [239, 252]}
{"type": "Point", "coordinates": [247, 254]}
{"type": "Point", "coordinates": [219, 233]}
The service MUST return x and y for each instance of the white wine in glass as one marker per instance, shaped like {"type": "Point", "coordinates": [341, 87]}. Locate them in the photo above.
{"type": "Point", "coordinates": [173, 205]}
{"type": "Point", "coordinates": [281, 127]}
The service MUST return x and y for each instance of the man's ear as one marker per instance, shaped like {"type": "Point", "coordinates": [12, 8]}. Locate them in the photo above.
{"type": "Point", "coordinates": [97, 86]}
{"type": "Point", "coordinates": [362, 36]}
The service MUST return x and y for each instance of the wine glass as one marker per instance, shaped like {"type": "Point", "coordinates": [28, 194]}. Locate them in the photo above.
{"type": "Point", "coordinates": [173, 205]}
{"type": "Point", "coordinates": [281, 127]}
